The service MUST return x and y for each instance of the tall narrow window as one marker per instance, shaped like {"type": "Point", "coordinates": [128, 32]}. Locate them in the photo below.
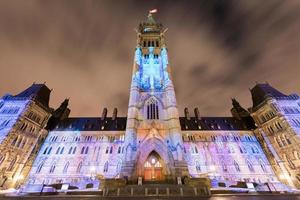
{"type": "Point", "coordinates": [52, 168]}
{"type": "Point", "coordinates": [198, 166]}
{"type": "Point", "coordinates": [82, 150]}
{"type": "Point", "coordinates": [39, 168]}
{"type": "Point", "coordinates": [70, 150]}
{"type": "Point", "coordinates": [237, 167]}
{"type": "Point", "coordinates": [57, 151]}
{"type": "Point", "coordinates": [2, 158]}
{"type": "Point", "coordinates": [152, 109]}
{"type": "Point", "coordinates": [66, 167]}
{"type": "Point", "coordinates": [12, 164]}
{"type": "Point", "coordinates": [224, 167]}
{"type": "Point", "coordinates": [78, 170]}
{"type": "Point", "coordinates": [105, 169]}
{"type": "Point", "coordinates": [62, 150]}
{"type": "Point", "coordinates": [74, 150]}
{"type": "Point", "coordinates": [250, 166]}
{"type": "Point", "coordinates": [50, 149]}
{"type": "Point", "coordinates": [14, 141]}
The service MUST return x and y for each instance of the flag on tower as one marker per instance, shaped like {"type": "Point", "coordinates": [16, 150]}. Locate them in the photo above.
{"type": "Point", "coordinates": [153, 11]}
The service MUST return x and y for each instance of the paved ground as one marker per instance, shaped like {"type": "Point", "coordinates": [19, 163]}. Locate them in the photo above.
{"type": "Point", "coordinates": [215, 197]}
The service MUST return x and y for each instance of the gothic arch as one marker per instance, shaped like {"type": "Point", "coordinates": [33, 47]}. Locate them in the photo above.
{"type": "Point", "coordinates": [154, 145]}
{"type": "Point", "coordinates": [152, 108]}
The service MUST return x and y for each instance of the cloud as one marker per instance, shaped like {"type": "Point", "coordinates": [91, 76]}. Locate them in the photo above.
{"type": "Point", "coordinates": [84, 50]}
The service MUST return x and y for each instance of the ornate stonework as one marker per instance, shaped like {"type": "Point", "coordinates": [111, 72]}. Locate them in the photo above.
{"type": "Point", "coordinates": [152, 143]}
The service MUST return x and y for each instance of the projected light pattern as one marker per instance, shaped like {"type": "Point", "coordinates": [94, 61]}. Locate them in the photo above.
{"type": "Point", "coordinates": [152, 70]}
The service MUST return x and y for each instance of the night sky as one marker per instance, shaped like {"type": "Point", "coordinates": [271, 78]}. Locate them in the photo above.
{"type": "Point", "coordinates": [84, 50]}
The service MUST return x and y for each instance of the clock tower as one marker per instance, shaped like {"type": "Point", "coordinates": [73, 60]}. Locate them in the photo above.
{"type": "Point", "coordinates": [154, 146]}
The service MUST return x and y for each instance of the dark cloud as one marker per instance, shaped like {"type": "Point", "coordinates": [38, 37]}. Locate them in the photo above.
{"type": "Point", "coordinates": [84, 49]}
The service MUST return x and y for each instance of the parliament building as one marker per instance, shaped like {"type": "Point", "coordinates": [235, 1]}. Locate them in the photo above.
{"type": "Point", "coordinates": [41, 146]}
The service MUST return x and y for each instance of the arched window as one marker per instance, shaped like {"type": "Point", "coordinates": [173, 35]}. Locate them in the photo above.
{"type": "Point", "coordinates": [74, 150]}
{"type": "Point", "coordinates": [57, 151]}
{"type": "Point", "coordinates": [70, 150]}
{"type": "Point", "coordinates": [291, 164]}
{"type": "Point", "coordinates": [78, 170]}
{"type": "Point", "coordinates": [19, 142]}
{"type": "Point", "coordinates": [237, 167]}
{"type": "Point", "coordinates": [119, 167]}
{"type": "Point", "coordinates": [119, 150]}
{"type": "Point", "coordinates": [86, 150]}
{"type": "Point", "coordinates": [45, 151]}
{"type": "Point", "coordinates": [105, 169]}
{"type": "Point", "coordinates": [52, 168]}
{"type": "Point", "coordinates": [196, 150]}
{"type": "Point", "coordinates": [231, 149]}
{"type": "Point", "coordinates": [62, 150]}
{"type": "Point", "coordinates": [2, 158]}
{"type": "Point", "coordinates": [298, 177]}
{"type": "Point", "coordinates": [82, 150]}
{"type": "Point", "coordinates": [66, 167]}
{"type": "Point", "coordinates": [224, 167]}
{"type": "Point", "coordinates": [262, 165]}
{"type": "Point", "coordinates": [198, 166]}
{"type": "Point", "coordinates": [287, 139]}
{"type": "Point", "coordinates": [12, 164]}
{"type": "Point", "coordinates": [152, 109]}
{"type": "Point", "coordinates": [39, 168]}
{"type": "Point", "coordinates": [111, 150]}
{"type": "Point", "coordinates": [241, 150]}
{"type": "Point", "coordinates": [14, 141]}
{"type": "Point", "coordinates": [250, 166]}
{"type": "Point", "coordinates": [278, 142]}
{"type": "Point", "coordinates": [23, 143]}
{"type": "Point", "coordinates": [107, 150]}
{"type": "Point", "coordinates": [50, 149]}
{"type": "Point", "coordinates": [297, 155]}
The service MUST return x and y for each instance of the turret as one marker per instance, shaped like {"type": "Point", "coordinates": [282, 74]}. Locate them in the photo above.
{"type": "Point", "coordinates": [104, 114]}
{"type": "Point", "coordinates": [186, 113]}
{"type": "Point", "coordinates": [62, 112]}
{"type": "Point", "coordinates": [197, 114]}
{"type": "Point", "coordinates": [115, 112]}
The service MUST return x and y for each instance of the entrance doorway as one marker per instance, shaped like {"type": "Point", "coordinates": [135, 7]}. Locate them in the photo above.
{"type": "Point", "coordinates": [153, 168]}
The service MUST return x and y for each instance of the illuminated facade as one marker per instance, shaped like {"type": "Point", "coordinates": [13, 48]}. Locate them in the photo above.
{"type": "Point", "coordinates": [22, 121]}
{"type": "Point", "coordinates": [154, 144]}
{"type": "Point", "coordinates": [278, 119]}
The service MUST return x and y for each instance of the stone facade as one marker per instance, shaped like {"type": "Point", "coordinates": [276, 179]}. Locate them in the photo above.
{"type": "Point", "coordinates": [153, 143]}
{"type": "Point", "coordinates": [22, 121]}
{"type": "Point", "coordinates": [277, 117]}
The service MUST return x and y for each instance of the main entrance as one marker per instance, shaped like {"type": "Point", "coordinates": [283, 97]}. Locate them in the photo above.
{"type": "Point", "coordinates": [153, 168]}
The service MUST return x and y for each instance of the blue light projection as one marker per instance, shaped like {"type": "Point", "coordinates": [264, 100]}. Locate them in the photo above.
{"type": "Point", "coordinates": [152, 72]}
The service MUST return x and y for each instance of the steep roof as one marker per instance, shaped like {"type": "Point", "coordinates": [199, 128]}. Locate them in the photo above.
{"type": "Point", "coordinates": [92, 124]}
{"type": "Point", "coordinates": [39, 92]}
{"type": "Point", "coordinates": [260, 92]}
{"type": "Point", "coordinates": [211, 123]}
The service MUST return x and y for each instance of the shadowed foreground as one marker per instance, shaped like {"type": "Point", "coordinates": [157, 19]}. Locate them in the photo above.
{"type": "Point", "coordinates": [214, 197]}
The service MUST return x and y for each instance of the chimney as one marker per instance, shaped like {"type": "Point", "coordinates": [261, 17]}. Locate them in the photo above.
{"type": "Point", "coordinates": [104, 113]}
{"type": "Point", "coordinates": [115, 112]}
{"type": "Point", "coordinates": [196, 111]}
{"type": "Point", "coordinates": [186, 113]}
